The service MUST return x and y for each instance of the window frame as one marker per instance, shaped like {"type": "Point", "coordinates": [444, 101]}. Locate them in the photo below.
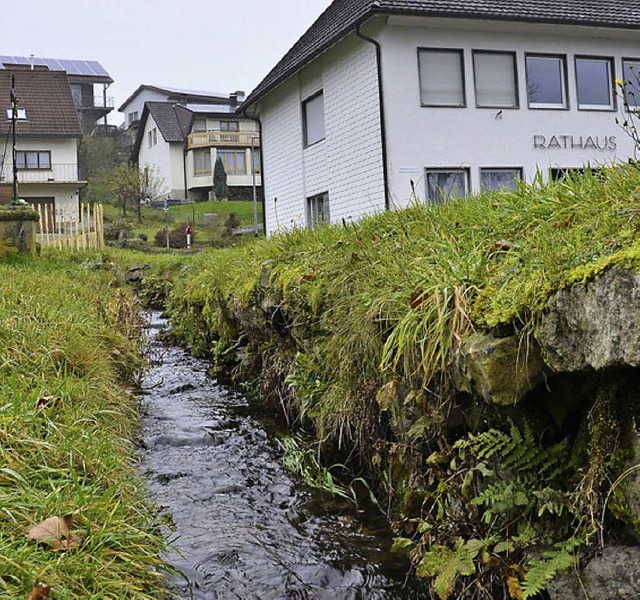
{"type": "Point", "coordinates": [516, 82]}
{"type": "Point", "coordinates": [317, 217]}
{"type": "Point", "coordinates": [519, 171]}
{"type": "Point", "coordinates": [612, 106]}
{"type": "Point", "coordinates": [636, 62]}
{"type": "Point", "coordinates": [463, 77]}
{"type": "Point", "coordinates": [305, 120]}
{"type": "Point", "coordinates": [204, 152]}
{"type": "Point", "coordinates": [225, 126]}
{"type": "Point", "coordinates": [467, 182]}
{"type": "Point", "coordinates": [222, 153]}
{"type": "Point", "coordinates": [564, 87]}
{"type": "Point", "coordinates": [25, 163]}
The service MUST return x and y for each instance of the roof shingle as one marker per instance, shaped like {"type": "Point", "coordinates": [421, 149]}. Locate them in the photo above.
{"type": "Point", "coordinates": [343, 16]}
{"type": "Point", "coordinates": [46, 97]}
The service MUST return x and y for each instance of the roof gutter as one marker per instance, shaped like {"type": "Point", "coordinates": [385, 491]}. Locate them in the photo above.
{"type": "Point", "coordinates": [383, 127]}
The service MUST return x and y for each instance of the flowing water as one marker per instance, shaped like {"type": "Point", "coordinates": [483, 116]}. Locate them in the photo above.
{"type": "Point", "coordinates": [244, 527]}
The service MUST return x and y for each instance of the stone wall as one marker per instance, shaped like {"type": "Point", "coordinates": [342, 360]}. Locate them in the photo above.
{"type": "Point", "coordinates": [17, 231]}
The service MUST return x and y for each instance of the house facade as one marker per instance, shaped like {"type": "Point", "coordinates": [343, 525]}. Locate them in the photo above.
{"type": "Point", "coordinates": [383, 103]}
{"type": "Point", "coordinates": [89, 82]}
{"type": "Point", "coordinates": [180, 144]}
{"type": "Point", "coordinates": [48, 134]}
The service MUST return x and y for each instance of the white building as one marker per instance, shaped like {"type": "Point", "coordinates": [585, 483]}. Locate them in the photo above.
{"type": "Point", "coordinates": [181, 143]}
{"type": "Point", "coordinates": [383, 101]}
{"type": "Point", "coordinates": [48, 133]}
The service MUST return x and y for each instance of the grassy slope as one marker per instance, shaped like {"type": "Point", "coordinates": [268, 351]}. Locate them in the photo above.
{"type": "Point", "coordinates": [68, 344]}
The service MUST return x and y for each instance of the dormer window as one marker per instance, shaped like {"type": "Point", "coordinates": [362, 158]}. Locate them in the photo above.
{"type": "Point", "coordinates": [21, 114]}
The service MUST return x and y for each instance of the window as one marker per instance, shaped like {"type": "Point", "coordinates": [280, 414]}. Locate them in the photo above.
{"type": "Point", "coordinates": [495, 79]}
{"type": "Point", "coordinates": [441, 77]}
{"type": "Point", "coordinates": [631, 77]}
{"type": "Point", "coordinates": [443, 184]}
{"type": "Point", "coordinates": [499, 178]}
{"type": "Point", "coordinates": [153, 137]}
{"type": "Point", "coordinates": [199, 125]}
{"type": "Point", "coordinates": [229, 126]}
{"type": "Point", "coordinates": [546, 81]}
{"type": "Point", "coordinates": [234, 161]}
{"type": "Point", "coordinates": [202, 162]}
{"type": "Point", "coordinates": [318, 209]}
{"type": "Point", "coordinates": [594, 78]}
{"type": "Point", "coordinates": [313, 119]}
{"type": "Point", "coordinates": [33, 159]}
{"type": "Point", "coordinates": [21, 114]}
{"type": "Point", "coordinates": [133, 117]}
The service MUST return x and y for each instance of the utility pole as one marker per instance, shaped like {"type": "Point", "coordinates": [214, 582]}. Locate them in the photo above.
{"type": "Point", "coordinates": [14, 118]}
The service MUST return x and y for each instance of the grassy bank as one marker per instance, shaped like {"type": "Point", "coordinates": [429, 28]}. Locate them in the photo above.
{"type": "Point", "coordinates": [351, 331]}
{"type": "Point", "coordinates": [69, 347]}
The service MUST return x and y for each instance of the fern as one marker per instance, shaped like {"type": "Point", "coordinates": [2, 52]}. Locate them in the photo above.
{"type": "Point", "coordinates": [542, 572]}
{"type": "Point", "coordinates": [446, 565]}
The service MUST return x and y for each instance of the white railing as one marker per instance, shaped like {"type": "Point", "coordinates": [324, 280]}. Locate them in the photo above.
{"type": "Point", "coordinates": [223, 138]}
{"type": "Point", "coordinates": [73, 229]}
{"type": "Point", "coordinates": [59, 172]}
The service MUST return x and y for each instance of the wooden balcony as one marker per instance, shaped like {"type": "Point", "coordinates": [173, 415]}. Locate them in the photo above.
{"type": "Point", "coordinates": [206, 139]}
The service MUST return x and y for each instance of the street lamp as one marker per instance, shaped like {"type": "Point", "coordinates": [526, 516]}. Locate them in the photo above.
{"type": "Point", "coordinates": [253, 177]}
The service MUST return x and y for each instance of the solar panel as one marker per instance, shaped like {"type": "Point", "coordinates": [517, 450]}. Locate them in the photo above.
{"type": "Point", "coordinates": [86, 68]}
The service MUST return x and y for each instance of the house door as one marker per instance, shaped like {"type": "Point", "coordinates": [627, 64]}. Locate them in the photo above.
{"type": "Point", "coordinates": [45, 207]}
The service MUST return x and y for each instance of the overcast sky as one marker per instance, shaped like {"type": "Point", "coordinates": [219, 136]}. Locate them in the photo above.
{"type": "Point", "coordinates": [212, 45]}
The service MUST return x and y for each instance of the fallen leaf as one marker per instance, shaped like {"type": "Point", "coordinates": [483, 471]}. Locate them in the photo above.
{"type": "Point", "coordinates": [40, 591]}
{"type": "Point", "coordinates": [49, 402]}
{"type": "Point", "coordinates": [56, 533]}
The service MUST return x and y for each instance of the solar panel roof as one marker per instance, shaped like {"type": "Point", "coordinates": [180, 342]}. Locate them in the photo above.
{"type": "Point", "coordinates": [84, 68]}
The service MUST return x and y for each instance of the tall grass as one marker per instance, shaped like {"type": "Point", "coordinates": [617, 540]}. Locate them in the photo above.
{"type": "Point", "coordinates": [68, 347]}
{"type": "Point", "coordinates": [389, 298]}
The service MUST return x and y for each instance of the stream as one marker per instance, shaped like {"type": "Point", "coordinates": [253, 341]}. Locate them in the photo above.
{"type": "Point", "coordinates": [245, 527]}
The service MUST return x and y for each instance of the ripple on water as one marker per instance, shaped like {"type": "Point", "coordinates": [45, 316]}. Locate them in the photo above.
{"type": "Point", "coordinates": [244, 528]}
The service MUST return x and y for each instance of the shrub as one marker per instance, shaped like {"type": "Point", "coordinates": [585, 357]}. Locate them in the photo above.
{"type": "Point", "coordinates": [117, 229]}
{"type": "Point", "coordinates": [177, 236]}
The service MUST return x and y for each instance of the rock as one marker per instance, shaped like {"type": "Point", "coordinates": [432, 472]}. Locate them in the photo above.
{"type": "Point", "coordinates": [593, 325]}
{"type": "Point", "coordinates": [497, 369]}
{"type": "Point", "coordinates": [631, 488]}
{"type": "Point", "coordinates": [613, 576]}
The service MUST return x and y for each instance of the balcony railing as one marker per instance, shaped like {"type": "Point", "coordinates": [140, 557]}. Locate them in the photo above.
{"type": "Point", "coordinates": [58, 173]}
{"type": "Point", "coordinates": [98, 102]}
{"type": "Point", "coordinates": [223, 138]}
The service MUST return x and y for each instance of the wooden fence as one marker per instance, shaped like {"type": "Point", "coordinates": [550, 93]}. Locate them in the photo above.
{"type": "Point", "coordinates": [73, 229]}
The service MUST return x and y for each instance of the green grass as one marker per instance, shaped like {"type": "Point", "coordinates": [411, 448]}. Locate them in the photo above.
{"type": "Point", "coordinates": [154, 219]}
{"type": "Point", "coordinates": [390, 297]}
{"type": "Point", "coordinates": [69, 344]}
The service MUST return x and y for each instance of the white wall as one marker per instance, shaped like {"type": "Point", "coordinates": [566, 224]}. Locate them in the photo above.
{"type": "Point", "coordinates": [348, 162]}
{"type": "Point", "coordinates": [137, 104]}
{"type": "Point", "coordinates": [60, 182]}
{"type": "Point", "coordinates": [420, 137]}
{"type": "Point", "coordinates": [158, 159]}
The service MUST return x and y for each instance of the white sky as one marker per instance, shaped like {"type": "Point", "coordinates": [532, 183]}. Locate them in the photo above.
{"type": "Point", "coordinates": [213, 45]}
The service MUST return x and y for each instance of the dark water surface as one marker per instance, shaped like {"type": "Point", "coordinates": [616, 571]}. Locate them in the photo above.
{"type": "Point", "coordinates": [245, 528]}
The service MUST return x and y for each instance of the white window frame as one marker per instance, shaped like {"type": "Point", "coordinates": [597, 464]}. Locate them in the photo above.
{"type": "Point", "coordinates": [516, 95]}
{"type": "Point", "coordinates": [611, 76]}
{"type": "Point", "coordinates": [313, 113]}
{"type": "Point", "coordinates": [518, 171]}
{"type": "Point", "coordinates": [446, 170]}
{"type": "Point", "coordinates": [318, 209]}
{"type": "Point", "coordinates": [635, 63]}
{"type": "Point", "coordinates": [422, 76]}
{"type": "Point", "coordinates": [562, 61]}
{"type": "Point", "coordinates": [205, 169]}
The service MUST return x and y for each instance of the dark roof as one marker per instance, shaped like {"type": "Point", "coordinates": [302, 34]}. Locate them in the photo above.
{"type": "Point", "coordinates": [344, 16]}
{"type": "Point", "coordinates": [46, 97]}
{"type": "Point", "coordinates": [168, 120]}
{"type": "Point", "coordinates": [179, 95]}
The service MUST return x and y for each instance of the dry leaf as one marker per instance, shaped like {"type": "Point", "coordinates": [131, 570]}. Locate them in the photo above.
{"type": "Point", "coordinates": [40, 591]}
{"type": "Point", "coordinates": [56, 533]}
{"type": "Point", "coordinates": [49, 402]}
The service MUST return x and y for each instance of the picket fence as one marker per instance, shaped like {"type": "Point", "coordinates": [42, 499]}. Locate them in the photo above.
{"type": "Point", "coordinates": [72, 229]}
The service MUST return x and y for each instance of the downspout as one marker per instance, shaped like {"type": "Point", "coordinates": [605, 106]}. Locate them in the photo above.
{"type": "Point", "coordinates": [383, 128]}
{"type": "Point", "coordinates": [184, 169]}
